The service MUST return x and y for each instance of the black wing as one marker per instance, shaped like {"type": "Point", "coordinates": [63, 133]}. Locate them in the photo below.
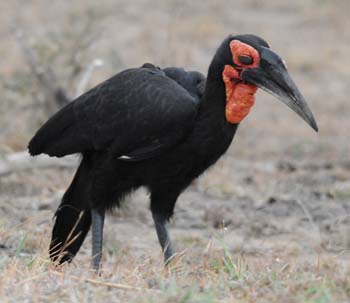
{"type": "Point", "coordinates": [138, 113]}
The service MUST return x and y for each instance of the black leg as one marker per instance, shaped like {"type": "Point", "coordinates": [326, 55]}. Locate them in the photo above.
{"type": "Point", "coordinates": [97, 217]}
{"type": "Point", "coordinates": [160, 223]}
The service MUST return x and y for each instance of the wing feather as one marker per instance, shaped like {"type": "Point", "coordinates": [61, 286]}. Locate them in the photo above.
{"type": "Point", "coordinates": [137, 110]}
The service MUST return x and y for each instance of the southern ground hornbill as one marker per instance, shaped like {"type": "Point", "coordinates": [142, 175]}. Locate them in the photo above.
{"type": "Point", "coordinates": [157, 128]}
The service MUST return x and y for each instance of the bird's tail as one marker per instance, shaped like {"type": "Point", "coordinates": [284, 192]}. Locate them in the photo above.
{"type": "Point", "coordinates": [73, 218]}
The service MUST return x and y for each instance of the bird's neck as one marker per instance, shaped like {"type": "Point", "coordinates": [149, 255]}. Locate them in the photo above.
{"type": "Point", "coordinates": [213, 133]}
{"type": "Point", "coordinates": [213, 104]}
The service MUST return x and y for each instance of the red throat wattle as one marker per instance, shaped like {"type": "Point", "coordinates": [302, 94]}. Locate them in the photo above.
{"type": "Point", "coordinates": [239, 96]}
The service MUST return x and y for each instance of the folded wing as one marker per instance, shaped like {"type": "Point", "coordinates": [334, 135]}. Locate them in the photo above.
{"type": "Point", "coordinates": [139, 113]}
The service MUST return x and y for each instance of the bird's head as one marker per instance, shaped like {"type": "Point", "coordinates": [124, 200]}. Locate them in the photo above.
{"type": "Point", "coordinates": [248, 59]}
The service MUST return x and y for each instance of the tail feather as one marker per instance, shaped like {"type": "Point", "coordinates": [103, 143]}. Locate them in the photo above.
{"type": "Point", "coordinates": [59, 136]}
{"type": "Point", "coordinates": [69, 232]}
{"type": "Point", "coordinates": [73, 218]}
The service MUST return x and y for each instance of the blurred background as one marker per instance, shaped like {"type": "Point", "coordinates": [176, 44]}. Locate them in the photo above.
{"type": "Point", "coordinates": [280, 189]}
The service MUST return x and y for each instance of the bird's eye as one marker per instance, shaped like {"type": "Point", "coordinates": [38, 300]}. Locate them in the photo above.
{"type": "Point", "coordinates": [245, 59]}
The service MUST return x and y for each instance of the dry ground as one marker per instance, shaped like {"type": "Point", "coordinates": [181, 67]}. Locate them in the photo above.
{"type": "Point", "coordinates": [269, 223]}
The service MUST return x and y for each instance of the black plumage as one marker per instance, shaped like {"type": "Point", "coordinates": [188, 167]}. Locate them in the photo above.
{"type": "Point", "coordinates": [143, 127]}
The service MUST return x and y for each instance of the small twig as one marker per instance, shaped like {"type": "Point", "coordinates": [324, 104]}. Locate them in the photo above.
{"type": "Point", "coordinates": [83, 83]}
{"type": "Point", "coordinates": [310, 218]}
{"type": "Point", "coordinates": [21, 161]}
{"type": "Point", "coordinates": [116, 285]}
{"type": "Point", "coordinates": [44, 74]}
{"type": "Point", "coordinates": [307, 213]}
{"type": "Point", "coordinates": [107, 284]}
{"type": "Point", "coordinates": [32, 278]}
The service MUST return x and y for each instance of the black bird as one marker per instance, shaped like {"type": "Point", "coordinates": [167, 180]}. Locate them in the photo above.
{"type": "Point", "coordinates": [155, 128]}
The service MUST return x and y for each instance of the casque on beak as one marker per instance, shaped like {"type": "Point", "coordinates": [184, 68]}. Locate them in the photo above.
{"type": "Point", "coordinates": [272, 76]}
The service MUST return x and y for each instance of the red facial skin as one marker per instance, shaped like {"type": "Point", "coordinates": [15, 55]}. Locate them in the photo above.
{"type": "Point", "coordinates": [239, 96]}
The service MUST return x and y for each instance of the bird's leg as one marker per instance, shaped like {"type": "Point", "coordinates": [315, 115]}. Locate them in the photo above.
{"type": "Point", "coordinates": [97, 217]}
{"type": "Point", "coordinates": [160, 223]}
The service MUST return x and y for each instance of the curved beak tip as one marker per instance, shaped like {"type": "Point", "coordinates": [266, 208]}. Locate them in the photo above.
{"type": "Point", "coordinates": [313, 124]}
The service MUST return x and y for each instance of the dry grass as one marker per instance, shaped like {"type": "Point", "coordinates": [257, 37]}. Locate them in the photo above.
{"type": "Point", "coordinates": [272, 252]}
{"type": "Point", "coordinates": [205, 273]}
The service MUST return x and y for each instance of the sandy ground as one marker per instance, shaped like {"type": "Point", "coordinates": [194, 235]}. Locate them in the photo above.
{"type": "Point", "coordinates": [281, 191]}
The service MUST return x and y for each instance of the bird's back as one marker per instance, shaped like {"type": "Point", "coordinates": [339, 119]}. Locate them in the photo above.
{"type": "Point", "coordinates": [192, 81]}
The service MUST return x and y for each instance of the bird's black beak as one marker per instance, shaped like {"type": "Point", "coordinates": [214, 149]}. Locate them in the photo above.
{"type": "Point", "coordinates": [272, 76]}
